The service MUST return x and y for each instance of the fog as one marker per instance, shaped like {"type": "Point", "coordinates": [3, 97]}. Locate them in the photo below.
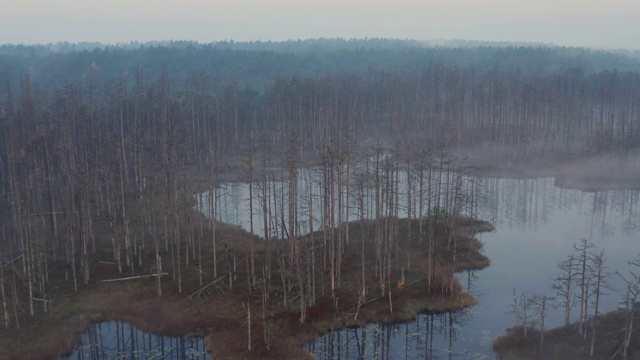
{"type": "Point", "coordinates": [599, 24]}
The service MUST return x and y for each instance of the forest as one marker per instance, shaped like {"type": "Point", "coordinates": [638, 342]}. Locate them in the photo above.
{"type": "Point", "coordinates": [104, 150]}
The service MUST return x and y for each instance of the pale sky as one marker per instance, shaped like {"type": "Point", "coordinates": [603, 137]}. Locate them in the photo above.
{"type": "Point", "coordinates": [587, 23]}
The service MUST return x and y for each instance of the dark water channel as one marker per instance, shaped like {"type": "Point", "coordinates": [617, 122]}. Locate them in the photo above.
{"type": "Point", "coordinates": [120, 340]}
{"type": "Point", "coordinates": [536, 225]}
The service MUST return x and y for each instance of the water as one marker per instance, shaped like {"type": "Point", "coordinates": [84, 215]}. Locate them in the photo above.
{"type": "Point", "coordinates": [121, 340]}
{"type": "Point", "coordinates": [429, 336]}
{"type": "Point", "coordinates": [536, 223]}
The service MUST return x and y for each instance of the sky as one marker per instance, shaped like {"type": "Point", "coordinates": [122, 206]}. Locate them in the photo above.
{"type": "Point", "coordinates": [608, 24]}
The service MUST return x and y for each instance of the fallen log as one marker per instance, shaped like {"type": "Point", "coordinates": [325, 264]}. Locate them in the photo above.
{"type": "Point", "coordinates": [198, 292]}
{"type": "Point", "coordinates": [133, 277]}
{"type": "Point", "coordinates": [107, 263]}
{"type": "Point", "coordinates": [42, 300]}
{"type": "Point", "coordinates": [11, 261]}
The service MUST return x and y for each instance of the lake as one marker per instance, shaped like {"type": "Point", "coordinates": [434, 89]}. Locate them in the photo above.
{"type": "Point", "coordinates": [536, 224]}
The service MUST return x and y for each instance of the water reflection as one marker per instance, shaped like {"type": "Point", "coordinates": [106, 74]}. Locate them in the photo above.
{"type": "Point", "coordinates": [429, 336]}
{"type": "Point", "coordinates": [527, 204]}
{"type": "Point", "coordinates": [229, 202]}
{"type": "Point", "coordinates": [530, 203]}
{"type": "Point", "coordinates": [121, 340]}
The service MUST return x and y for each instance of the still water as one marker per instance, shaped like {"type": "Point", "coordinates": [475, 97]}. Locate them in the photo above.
{"type": "Point", "coordinates": [121, 340]}
{"type": "Point", "coordinates": [536, 224]}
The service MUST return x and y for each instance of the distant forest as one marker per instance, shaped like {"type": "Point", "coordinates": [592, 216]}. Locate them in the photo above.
{"type": "Point", "coordinates": [258, 63]}
{"type": "Point", "coordinates": [513, 102]}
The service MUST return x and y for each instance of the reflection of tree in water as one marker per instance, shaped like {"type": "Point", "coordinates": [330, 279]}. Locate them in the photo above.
{"type": "Point", "coordinates": [511, 203]}
{"type": "Point", "coordinates": [529, 203]}
{"type": "Point", "coordinates": [603, 207]}
{"type": "Point", "coordinates": [470, 278]}
{"type": "Point", "coordinates": [121, 340]}
{"type": "Point", "coordinates": [627, 204]}
{"type": "Point", "coordinates": [514, 203]}
{"type": "Point", "coordinates": [430, 336]}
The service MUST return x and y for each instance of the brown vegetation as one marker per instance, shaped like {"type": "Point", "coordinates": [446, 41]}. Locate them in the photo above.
{"type": "Point", "coordinates": [566, 343]}
{"type": "Point", "coordinates": [220, 313]}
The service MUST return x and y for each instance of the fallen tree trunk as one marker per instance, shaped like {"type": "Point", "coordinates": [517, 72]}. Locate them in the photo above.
{"type": "Point", "coordinates": [133, 277]}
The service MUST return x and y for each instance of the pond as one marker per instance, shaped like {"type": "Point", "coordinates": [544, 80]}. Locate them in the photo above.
{"type": "Point", "coordinates": [536, 224]}
{"type": "Point", "coordinates": [121, 340]}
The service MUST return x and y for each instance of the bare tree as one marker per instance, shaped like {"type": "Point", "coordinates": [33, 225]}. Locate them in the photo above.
{"type": "Point", "coordinates": [583, 255]}
{"type": "Point", "coordinates": [360, 182]}
{"type": "Point", "coordinates": [564, 285]}
{"type": "Point", "coordinates": [540, 304]}
{"type": "Point", "coordinates": [630, 302]}
{"type": "Point", "coordinates": [523, 311]}
{"type": "Point", "coordinates": [600, 274]}
{"type": "Point", "coordinates": [379, 238]}
{"type": "Point", "coordinates": [5, 310]}
{"type": "Point", "coordinates": [249, 345]}
{"type": "Point", "coordinates": [250, 165]}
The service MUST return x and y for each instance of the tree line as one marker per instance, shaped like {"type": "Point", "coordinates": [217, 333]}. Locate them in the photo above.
{"type": "Point", "coordinates": [256, 63]}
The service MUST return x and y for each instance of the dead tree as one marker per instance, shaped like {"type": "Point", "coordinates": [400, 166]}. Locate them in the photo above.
{"type": "Point", "coordinates": [250, 165]}
{"type": "Point", "coordinates": [599, 274]}
{"type": "Point", "coordinates": [360, 182]}
{"type": "Point", "coordinates": [564, 286]}
{"type": "Point", "coordinates": [540, 308]}
{"type": "Point", "coordinates": [522, 310]}
{"type": "Point", "coordinates": [583, 254]}
{"type": "Point", "coordinates": [630, 303]}
{"type": "Point", "coordinates": [5, 310]}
